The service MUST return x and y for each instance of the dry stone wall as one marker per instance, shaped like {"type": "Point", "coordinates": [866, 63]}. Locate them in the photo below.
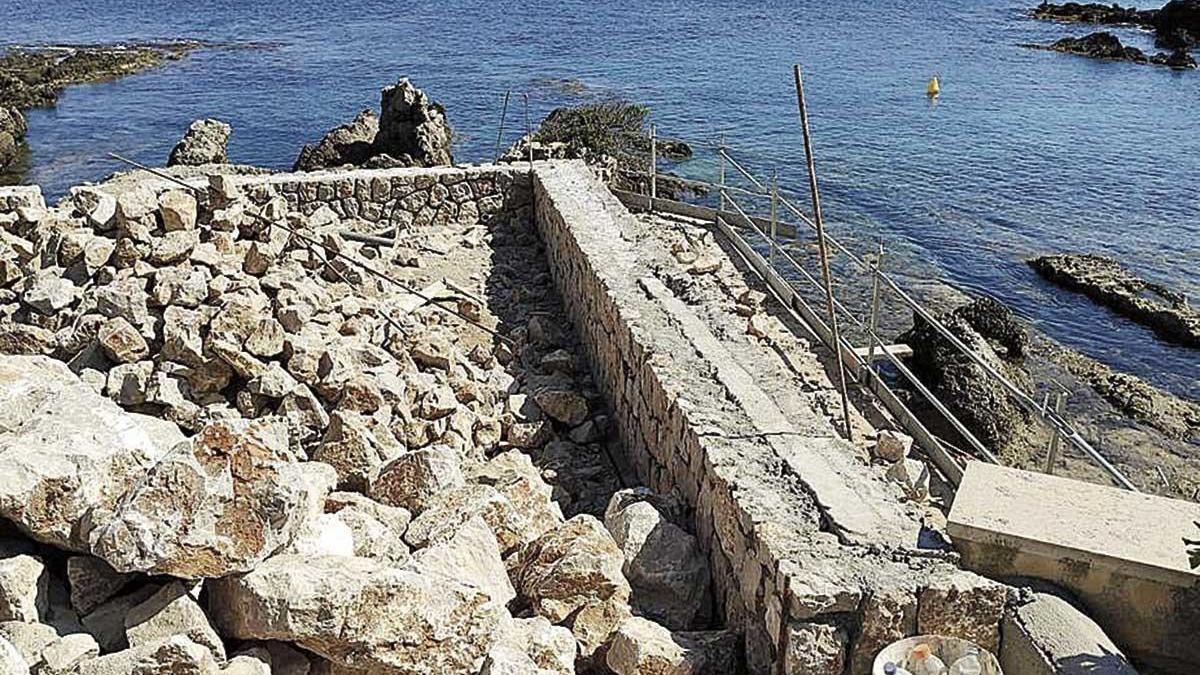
{"type": "Point", "coordinates": [816, 576]}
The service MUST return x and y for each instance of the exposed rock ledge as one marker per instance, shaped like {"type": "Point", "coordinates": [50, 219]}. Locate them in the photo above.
{"type": "Point", "coordinates": [1105, 45]}
{"type": "Point", "coordinates": [1176, 25]}
{"type": "Point", "coordinates": [1104, 280]}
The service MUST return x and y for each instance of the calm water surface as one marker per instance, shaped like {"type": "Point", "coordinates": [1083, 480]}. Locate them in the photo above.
{"type": "Point", "coordinates": [1025, 152]}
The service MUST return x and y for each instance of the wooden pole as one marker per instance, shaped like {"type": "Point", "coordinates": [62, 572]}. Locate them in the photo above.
{"type": "Point", "coordinates": [653, 166]}
{"type": "Point", "coordinates": [823, 250]}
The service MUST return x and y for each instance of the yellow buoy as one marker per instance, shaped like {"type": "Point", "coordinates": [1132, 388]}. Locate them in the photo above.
{"type": "Point", "coordinates": [934, 88]}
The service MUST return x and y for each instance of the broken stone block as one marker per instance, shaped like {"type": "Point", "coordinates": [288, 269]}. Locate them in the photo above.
{"type": "Point", "coordinates": [323, 534]}
{"type": "Point", "coordinates": [913, 476]}
{"type": "Point", "coordinates": [530, 646]}
{"type": "Point", "coordinates": [576, 564]}
{"type": "Point", "coordinates": [29, 639]}
{"type": "Point", "coordinates": [887, 615]}
{"type": "Point", "coordinates": [267, 339]}
{"type": "Point", "coordinates": [64, 656]}
{"type": "Point", "coordinates": [892, 446]}
{"type": "Point", "coordinates": [434, 352]}
{"type": "Point", "coordinates": [128, 383]}
{"type": "Point", "coordinates": [92, 582]}
{"type": "Point", "coordinates": [814, 648]}
{"type": "Point", "coordinates": [564, 405]}
{"type": "Point", "coordinates": [964, 605]}
{"type": "Point", "coordinates": [11, 661]}
{"type": "Point", "coordinates": [411, 480]}
{"type": "Point", "coordinates": [49, 422]}
{"type": "Point", "coordinates": [121, 342]}
{"type": "Point", "coordinates": [245, 498]}
{"type": "Point", "coordinates": [378, 529]}
{"type": "Point", "coordinates": [356, 448]}
{"type": "Point", "coordinates": [49, 292]}
{"type": "Point", "coordinates": [173, 247]}
{"type": "Point", "coordinates": [351, 610]}
{"type": "Point", "coordinates": [663, 563]}
{"type": "Point", "coordinates": [171, 611]}
{"type": "Point", "coordinates": [513, 474]}
{"type": "Point", "coordinates": [640, 646]}
{"type": "Point", "coordinates": [176, 654]}
{"type": "Point", "coordinates": [106, 623]}
{"type": "Point", "coordinates": [23, 581]}
{"type": "Point", "coordinates": [449, 510]}
{"type": "Point", "coordinates": [178, 210]}
{"type": "Point", "coordinates": [468, 555]}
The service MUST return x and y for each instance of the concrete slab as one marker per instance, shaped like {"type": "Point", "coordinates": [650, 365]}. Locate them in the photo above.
{"type": "Point", "coordinates": [1050, 637]}
{"type": "Point", "coordinates": [1121, 552]}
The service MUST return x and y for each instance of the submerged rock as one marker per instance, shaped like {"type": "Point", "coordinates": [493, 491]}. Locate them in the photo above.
{"type": "Point", "coordinates": [1102, 279]}
{"type": "Point", "coordinates": [1094, 12]}
{"type": "Point", "coordinates": [1105, 45]}
{"type": "Point", "coordinates": [204, 143]}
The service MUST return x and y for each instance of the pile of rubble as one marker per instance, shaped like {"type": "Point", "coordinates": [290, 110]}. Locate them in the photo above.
{"type": "Point", "coordinates": [225, 448]}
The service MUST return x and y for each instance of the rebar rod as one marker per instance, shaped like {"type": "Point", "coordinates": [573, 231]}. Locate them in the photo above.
{"type": "Point", "coordinates": [503, 114]}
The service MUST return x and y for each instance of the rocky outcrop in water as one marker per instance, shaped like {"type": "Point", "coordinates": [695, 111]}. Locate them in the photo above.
{"type": "Point", "coordinates": [983, 405]}
{"type": "Point", "coordinates": [33, 78]}
{"type": "Point", "coordinates": [1177, 24]}
{"type": "Point", "coordinates": [1095, 12]}
{"type": "Point", "coordinates": [204, 142]}
{"type": "Point", "coordinates": [1102, 279]}
{"type": "Point", "coordinates": [12, 135]}
{"type": "Point", "coordinates": [1105, 45]}
{"type": "Point", "coordinates": [411, 130]}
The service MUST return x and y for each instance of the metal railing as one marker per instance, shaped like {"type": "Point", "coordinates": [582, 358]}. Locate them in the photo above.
{"type": "Point", "coordinates": [734, 218]}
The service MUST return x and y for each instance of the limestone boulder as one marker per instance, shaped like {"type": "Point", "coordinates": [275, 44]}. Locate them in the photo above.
{"type": "Point", "coordinates": [411, 480]}
{"type": "Point", "coordinates": [447, 511]}
{"type": "Point", "coordinates": [642, 647]}
{"type": "Point", "coordinates": [356, 446]}
{"type": "Point", "coordinates": [204, 142]}
{"type": "Point", "coordinates": [23, 586]}
{"type": "Point", "coordinates": [360, 613]}
{"type": "Point", "coordinates": [11, 661]}
{"type": "Point", "coordinates": [814, 648]}
{"type": "Point", "coordinates": [323, 534]}
{"type": "Point", "coordinates": [171, 611]}
{"type": "Point", "coordinates": [531, 646]}
{"type": "Point", "coordinates": [65, 655]}
{"type": "Point", "coordinates": [219, 504]}
{"type": "Point", "coordinates": [574, 565]}
{"type": "Point", "coordinates": [964, 605]}
{"type": "Point", "coordinates": [470, 555]}
{"type": "Point", "coordinates": [663, 563]}
{"type": "Point", "coordinates": [378, 529]}
{"type": "Point", "coordinates": [176, 655]}
{"type": "Point", "coordinates": [67, 454]}
{"type": "Point", "coordinates": [513, 475]}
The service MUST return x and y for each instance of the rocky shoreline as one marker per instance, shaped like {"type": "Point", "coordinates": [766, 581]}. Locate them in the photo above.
{"type": "Point", "coordinates": [1105, 45]}
{"type": "Point", "coordinates": [34, 77]}
{"type": "Point", "coordinates": [1176, 27]}
{"type": "Point", "coordinates": [1102, 279]}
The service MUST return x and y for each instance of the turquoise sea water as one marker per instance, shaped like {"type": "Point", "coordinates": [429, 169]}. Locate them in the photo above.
{"type": "Point", "coordinates": [1025, 151]}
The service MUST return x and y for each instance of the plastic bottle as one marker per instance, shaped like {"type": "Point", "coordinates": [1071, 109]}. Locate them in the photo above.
{"type": "Point", "coordinates": [967, 665]}
{"type": "Point", "coordinates": [890, 668]}
{"type": "Point", "coordinates": [922, 661]}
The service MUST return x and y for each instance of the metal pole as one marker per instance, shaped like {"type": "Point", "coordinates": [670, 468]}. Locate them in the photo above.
{"type": "Point", "coordinates": [721, 174]}
{"type": "Point", "coordinates": [503, 114]}
{"type": "Point", "coordinates": [1052, 455]}
{"type": "Point", "coordinates": [774, 214]}
{"type": "Point", "coordinates": [823, 249]}
{"type": "Point", "coordinates": [653, 166]}
{"type": "Point", "coordinates": [874, 319]}
{"type": "Point", "coordinates": [528, 131]}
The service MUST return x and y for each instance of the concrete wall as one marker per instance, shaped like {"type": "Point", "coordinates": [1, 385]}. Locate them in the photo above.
{"type": "Point", "coordinates": [1121, 553]}
{"type": "Point", "coordinates": [812, 559]}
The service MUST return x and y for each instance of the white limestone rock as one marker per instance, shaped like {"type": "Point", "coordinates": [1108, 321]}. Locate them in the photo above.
{"type": "Point", "coordinates": [411, 480]}
{"type": "Point", "coordinates": [469, 555]}
{"type": "Point", "coordinates": [640, 646]}
{"type": "Point", "coordinates": [665, 567]}
{"type": "Point", "coordinates": [531, 647]}
{"type": "Point", "coordinates": [11, 661]}
{"type": "Point", "coordinates": [171, 611]}
{"type": "Point", "coordinates": [67, 454]}
{"type": "Point", "coordinates": [574, 565]}
{"type": "Point", "coordinates": [23, 586]}
{"type": "Point", "coordinates": [360, 613]}
{"type": "Point", "coordinates": [221, 503]}
{"type": "Point", "coordinates": [378, 529]}
{"type": "Point", "coordinates": [176, 655]}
